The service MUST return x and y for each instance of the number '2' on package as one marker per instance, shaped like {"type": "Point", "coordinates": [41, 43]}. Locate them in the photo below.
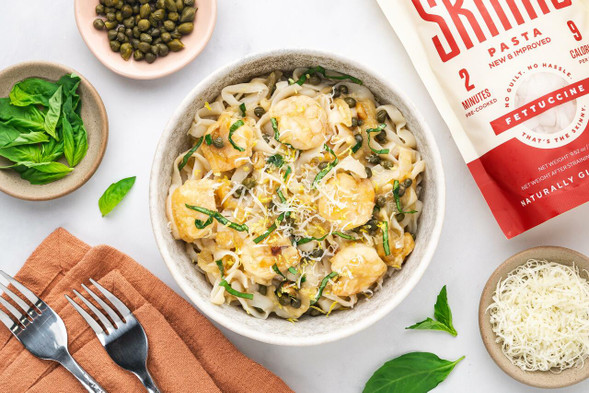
{"type": "Point", "coordinates": [511, 80]}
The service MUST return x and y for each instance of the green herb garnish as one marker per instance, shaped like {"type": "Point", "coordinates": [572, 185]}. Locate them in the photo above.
{"type": "Point", "coordinates": [306, 240]}
{"type": "Point", "coordinates": [208, 139]}
{"type": "Point", "coordinates": [384, 225]}
{"type": "Point", "coordinates": [277, 270]}
{"type": "Point", "coordinates": [442, 315]}
{"type": "Point", "coordinates": [377, 129]}
{"type": "Point", "coordinates": [344, 236]}
{"type": "Point", "coordinates": [221, 267]}
{"type": "Point", "coordinates": [242, 108]}
{"type": "Point", "coordinates": [235, 293]}
{"type": "Point", "coordinates": [277, 160]}
{"type": "Point", "coordinates": [190, 153]}
{"type": "Point", "coordinates": [322, 71]}
{"type": "Point", "coordinates": [292, 270]}
{"type": "Point", "coordinates": [271, 229]}
{"type": "Point", "coordinates": [287, 172]}
{"type": "Point", "coordinates": [397, 197]}
{"type": "Point", "coordinates": [275, 128]}
{"type": "Point", "coordinates": [418, 372]}
{"type": "Point", "coordinates": [232, 129]}
{"type": "Point", "coordinates": [203, 224]}
{"type": "Point", "coordinates": [114, 194]}
{"type": "Point", "coordinates": [322, 286]}
{"type": "Point", "coordinates": [217, 216]}
{"type": "Point", "coordinates": [328, 168]}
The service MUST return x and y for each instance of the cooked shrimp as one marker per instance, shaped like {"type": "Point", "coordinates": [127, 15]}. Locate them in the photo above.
{"type": "Point", "coordinates": [358, 267]}
{"type": "Point", "coordinates": [192, 192]}
{"type": "Point", "coordinates": [348, 202]}
{"type": "Point", "coordinates": [302, 122]}
{"type": "Point", "coordinates": [400, 247]}
{"type": "Point", "coordinates": [258, 259]}
{"type": "Point", "coordinates": [227, 157]}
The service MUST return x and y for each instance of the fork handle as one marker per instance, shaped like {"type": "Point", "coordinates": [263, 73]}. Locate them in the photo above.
{"type": "Point", "coordinates": [81, 375]}
{"type": "Point", "coordinates": [147, 381]}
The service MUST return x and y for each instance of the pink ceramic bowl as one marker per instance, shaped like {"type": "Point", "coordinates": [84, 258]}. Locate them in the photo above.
{"type": "Point", "coordinates": [97, 41]}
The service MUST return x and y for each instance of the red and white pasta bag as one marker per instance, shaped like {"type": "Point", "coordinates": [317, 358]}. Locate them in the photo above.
{"type": "Point", "coordinates": [511, 80]}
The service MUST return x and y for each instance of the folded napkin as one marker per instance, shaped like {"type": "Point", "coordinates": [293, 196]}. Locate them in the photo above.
{"type": "Point", "coordinates": [186, 352]}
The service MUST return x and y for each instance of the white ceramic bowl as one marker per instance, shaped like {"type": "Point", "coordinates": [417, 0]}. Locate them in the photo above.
{"type": "Point", "coordinates": [308, 330]}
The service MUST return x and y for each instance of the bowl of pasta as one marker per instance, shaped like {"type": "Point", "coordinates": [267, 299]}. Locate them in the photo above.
{"type": "Point", "coordinates": [295, 185]}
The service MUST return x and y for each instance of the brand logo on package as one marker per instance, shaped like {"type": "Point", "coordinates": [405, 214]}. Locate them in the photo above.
{"type": "Point", "coordinates": [478, 22]}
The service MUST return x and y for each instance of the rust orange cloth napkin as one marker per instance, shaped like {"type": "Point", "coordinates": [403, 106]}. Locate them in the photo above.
{"type": "Point", "coordinates": [186, 352]}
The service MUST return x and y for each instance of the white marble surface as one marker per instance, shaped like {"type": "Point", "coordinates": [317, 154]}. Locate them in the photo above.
{"type": "Point", "coordinates": [470, 248]}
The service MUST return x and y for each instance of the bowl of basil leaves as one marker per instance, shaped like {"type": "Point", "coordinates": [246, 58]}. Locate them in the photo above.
{"type": "Point", "coordinates": [53, 130]}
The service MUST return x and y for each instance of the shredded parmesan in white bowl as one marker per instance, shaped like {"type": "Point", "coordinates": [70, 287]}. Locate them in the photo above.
{"type": "Point", "coordinates": [540, 315]}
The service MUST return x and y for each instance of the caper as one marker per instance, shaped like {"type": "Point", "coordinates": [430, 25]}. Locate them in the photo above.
{"type": "Point", "coordinates": [387, 164]}
{"type": "Point", "coordinates": [249, 182]}
{"type": "Point", "coordinates": [372, 226]}
{"type": "Point", "coordinates": [354, 122]}
{"type": "Point", "coordinates": [127, 11]}
{"type": "Point", "coordinates": [145, 38]}
{"type": "Point", "coordinates": [111, 17]}
{"type": "Point", "coordinates": [110, 25]}
{"type": "Point", "coordinates": [135, 43]}
{"type": "Point", "coordinates": [144, 47]}
{"type": "Point", "coordinates": [373, 159]}
{"type": "Point", "coordinates": [360, 122]}
{"type": "Point", "coordinates": [336, 93]}
{"type": "Point", "coordinates": [120, 29]}
{"type": "Point", "coordinates": [112, 35]}
{"type": "Point", "coordinates": [119, 4]}
{"type": "Point", "coordinates": [108, 9]}
{"type": "Point", "coordinates": [358, 138]}
{"type": "Point", "coordinates": [295, 302]}
{"type": "Point", "coordinates": [179, 5]}
{"type": "Point", "coordinates": [259, 111]}
{"type": "Point", "coordinates": [188, 14]}
{"type": "Point", "coordinates": [218, 142]}
{"type": "Point", "coordinates": [129, 33]}
{"type": "Point", "coordinates": [143, 1]}
{"type": "Point", "coordinates": [136, 8]}
{"type": "Point", "coordinates": [158, 40]}
{"type": "Point", "coordinates": [143, 25]}
{"type": "Point", "coordinates": [173, 16]}
{"type": "Point", "coordinates": [175, 34]}
{"type": "Point", "coordinates": [381, 201]}
{"type": "Point", "coordinates": [368, 172]}
{"type": "Point", "coordinates": [126, 51]}
{"type": "Point", "coordinates": [314, 80]}
{"type": "Point", "coordinates": [262, 289]}
{"type": "Point", "coordinates": [129, 22]}
{"type": "Point", "coordinates": [400, 217]}
{"type": "Point", "coordinates": [150, 57]}
{"type": "Point", "coordinates": [153, 22]}
{"type": "Point", "coordinates": [350, 101]}
{"type": "Point", "coordinates": [160, 4]}
{"type": "Point", "coordinates": [170, 5]}
{"type": "Point", "coordinates": [381, 116]}
{"type": "Point", "coordinates": [186, 28]}
{"type": "Point", "coordinates": [189, 3]}
{"type": "Point", "coordinates": [136, 32]}
{"type": "Point", "coordinates": [155, 50]}
{"type": "Point", "coordinates": [381, 137]}
{"type": "Point", "coordinates": [110, 3]}
{"type": "Point", "coordinates": [145, 11]}
{"type": "Point", "coordinates": [163, 49]}
{"type": "Point", "coordinates": [284, 300]}
{"type": "Point", "coordinates": [401, 190]}
{"type": "Point", "coordinates": [158, 15]}
{"type": "Point", "coordinates": [343, 89]}
{"type": "Point", "coordinates": [115, 46]}
{"type": "Point", "coordinates": [316, 253]}
{"type": "Point", "coordinates": [323, 165]}
{"type": "Point", "coordinates": [119, 16]}
{"type": "Point", "coordinates": [169, 25]}
{"type": "Point", "coordinates": [121, 37]}
{"type": "Point", "coordinates": [408, 183]}
{"type": "Point", "coordinates": [175, 45]}
{"type": "Point", "coordinates": [98, 24]}
{"type": "Point", "coordinates": [155, 33]}
{"type": "Point", "coordinates": [166, 37]}
{"type": "Point", "coordinates": [99, 9]}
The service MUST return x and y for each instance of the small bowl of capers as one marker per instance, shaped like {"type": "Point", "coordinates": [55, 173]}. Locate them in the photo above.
{"type": "Point", "coordinates": [145, 39]}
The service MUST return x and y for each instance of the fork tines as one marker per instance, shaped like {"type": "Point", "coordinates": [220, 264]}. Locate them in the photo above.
{"type": "Point", "coordinates": [21, 311]}
{"type": "Point", "coordinates": [110, 325]}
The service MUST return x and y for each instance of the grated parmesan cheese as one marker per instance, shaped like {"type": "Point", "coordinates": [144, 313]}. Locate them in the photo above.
{"type": "Point", "coordinates": [540, 314]}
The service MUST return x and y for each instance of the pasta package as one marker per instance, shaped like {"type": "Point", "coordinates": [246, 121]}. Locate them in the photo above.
{"type": "Point", "coordinates": [510, 78]}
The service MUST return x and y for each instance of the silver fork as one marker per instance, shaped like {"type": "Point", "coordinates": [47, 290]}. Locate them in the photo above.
{"type": "Point", "coordinates": [41, 331]}
{"type": "Point", "coordinates": [124, 341]}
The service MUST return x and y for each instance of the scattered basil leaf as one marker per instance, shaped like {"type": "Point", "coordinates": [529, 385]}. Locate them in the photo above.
{"type": "Point", "coordinates": [277, 270]}
{"type": "Point", "coordinates": [221, 267]}
{"type": "Point", "coordinates": [292, 270]}
{"type": "Point", "coordinates": [235, 293]}
{"type": "Point", "coordinates": [397, 197]}
{"type": "Point", "coordinates": [242, 109]}
{"type": "Point", "coordinates": [208, 139]}
{"type": "Point", "coordinates": [328, 168]}
{"type": "Point", "coordinates": [217, 216]}
{"type": "Point", "coordinates": [114, 194]}
{"type": "Point", "coordinates": [232, 129]}
{"type": "Point", "coordinates": [277, 160]}
{"type": "Point", "coordinates": [287, 172]}
{"type": "Point", "coordinates": [323, 71]}
{"type": "Point", "coordinates": [377, 129]}
{"type": "Point", "coordinates": [322, 286]}
{"type": "Point", "coordinates": [384, 225]}
{"type": "Point", "coordinates": [190, 153]}
{"type": "Point", "coordinates": [305, 240]}
{"type": "Point", "coordinates": [442, 314]}
{"type": "Point", "coordinates": [414, 372]}
{"type": "Point", "coordinates": [344, 236]}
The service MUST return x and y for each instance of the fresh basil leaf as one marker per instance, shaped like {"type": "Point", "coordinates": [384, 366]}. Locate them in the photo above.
{"type": "Point", "coordinates": [52, 150]}
{"type": "Point", "coordinates": [277, 160]}
{"type": "Point", "coordinates": [41, 172]}
{"type": "Point", "coordinates": [69, 145]}
{"type": "Point", "coordinates": [28, 117]}
{"type": "Point", "coordinates": [414, 372]}
{"type": "Point", "coordinates": [442, 314]}
{"type": "Point", "coordinates": [10, 136]}
{"type": "Point", "coordinates": [22, 153]}
{"type": "Point", "coordinates": [79, 136]}
{"type": "Point", "coordinates": [114, 194]}
{"type": "Point", "coordinates": [53, 113]}
{"type": "Point", "coordinates": [32, 91]}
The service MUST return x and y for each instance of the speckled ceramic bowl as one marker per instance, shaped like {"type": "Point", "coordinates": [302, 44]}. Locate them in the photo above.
{"type": "Point", "coordinates": [95, 120]}
{"type": "Point", "coordinates": [308, 331]}
{"type": "Point", "coordinates": [97, 42]}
